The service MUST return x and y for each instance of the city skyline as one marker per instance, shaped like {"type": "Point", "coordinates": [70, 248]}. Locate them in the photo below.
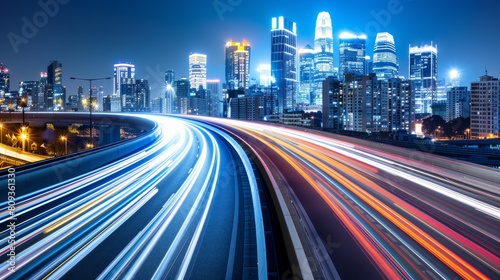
{"type": "Point", "coordinates": [157, 37]}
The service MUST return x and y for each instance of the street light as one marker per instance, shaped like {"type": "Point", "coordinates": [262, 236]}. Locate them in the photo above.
{"type": "Point", "coordinates": [467, 134]}
{"type": "Point", "coordinates": [23, 137]}
{"type": "Point", "coordinates": [65, 139]}
{"type": "Point", "coordinates": [23, 105]}
{"type": "Point", "coordinates": [90, 103]}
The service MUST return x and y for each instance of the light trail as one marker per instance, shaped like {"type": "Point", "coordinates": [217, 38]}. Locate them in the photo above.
{"type": "Point", "coordinates": [393, 191]}
{"type": "Point", "coordinates": [62, 225]}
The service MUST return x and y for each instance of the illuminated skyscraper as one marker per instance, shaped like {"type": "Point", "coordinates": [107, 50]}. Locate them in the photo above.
{"type": "Point", "coordinates": [264, 74]}
{"type": "Point", "coordinates": [307, 84]}
{"type": "Point", "coordinates": [237, 65]}
{"type": "Point", "coordinates": [135, 95]}
{"type": "Point", "coordinates": [4, 80]}
{"type": "Point", "coordinates": [181, 88]}
{"type": "Point", "coordinates": [457, 103]}
{"type": "Point", "coordinates": [485, 108]}
{"type": "Point", "coordinates": [214, 96]}
{"type": "Point", "coordinates": [423, 75]}
{"type": "Point", "coordinates": [351, 54]}
{"type": "Point", "coordinates": [29, 91]}
{"type": "Point", "coordinates": [170, 76]}
{"type": "Point", "coordinates": [283, 62]}
{"type": "Point", "coordinates": [55, 98]}
{"type": "Point", "coordinates": [169, 92]}
{"type": "Point", "coordinates": [323, 47]}
{"type": "Point", "coordinates": [198, 70]}
{"type": "Point", "coordinates": [122, 71]}
{"type": "Point", "coordinates": [385, 62]}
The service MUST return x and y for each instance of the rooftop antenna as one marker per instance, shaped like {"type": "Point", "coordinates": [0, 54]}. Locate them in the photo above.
{"type": "Point", "coordinates": [486, 70]}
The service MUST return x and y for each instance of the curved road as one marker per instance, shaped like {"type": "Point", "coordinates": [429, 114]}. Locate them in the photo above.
{"type": "Point", "coordinates": [377, 211]}
{"type": "Point", "coordinates": [155, 214]}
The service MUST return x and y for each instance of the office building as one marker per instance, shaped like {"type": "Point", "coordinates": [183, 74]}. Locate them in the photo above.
{"type": "Point", "coordinates": [72, 103]}
{"type": "Point", "coordinates": [169, 76]}
{"type": "Point", "coordinates": [307, 70]}
{"type": "Point", "coordinates": [283, 62]}
{"type": "Point", "coordinates": [265, 78]}
{"type": "Point", "coordinates": [333, 104]}
{"type": "Point", "coordinates": [182, 89]}
{"type": "Point", "coordinates": [457, 103]}
{"type": "Point", "coordinates": [158, 105]}
{"type": "Point", "coordinates": [214, 96]}
{"type": "Point", "coordinates": [39, 100]}
{"type": "Point", "coordinates": [99, 99]}
{"type": "Point", "coordinates": [400, 105]}
{"type": "Point", "coordinates": [81, 98]}
{"type": "Point", "coordinates": [484, 108]}
{"type": "Point", "coordinates": [323, 57]}
{"type": "Point", "coordinates": [122, 71]}
{"type": "Point", "coordinates": [198, 71]}
{"type": "Point", "coordinates": [351, 53]}
{"type": "Point", "coordinates": [237, 65]}
{"type": "Point", "coordinates": [423, 75]}
{"type": "Point", "coordinates": [135, 95]}
{"type": "Point", "coordinates": [368, 65]}
{"type": "Point", "coordinates": [385, 62]}
{"type": "Point", "coordinates": [55, 98]}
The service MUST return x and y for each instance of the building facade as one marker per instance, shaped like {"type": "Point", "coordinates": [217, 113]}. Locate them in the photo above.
{"type": "Point", "coordinates": [283, 62]}
{"type": "Point", "coordinates": [198, 71]}
{"type": "Point", "coordinates": [55, 98]}
{"type": "Point", "coordinates": [121, 71]}
{"type": "Point", "coordinates": [423, 64]}
{"type": "Point", "coordinates": [307, 69]}
{"type": "Point", "coordinates": [385, 62]}
{"type": "Point", "coordinates": [323, 57]}
{"type": "Point", "coordinates": [457, 103]}
{"type": "Point", "coordinates": [351, 53]}
{"type": "Point", "coordinates": [484, 108]}
{"type": "Point", "coordinates": [4, 80]}
{"type": "Point", "coordinates": [135, 95]}
{"type": "Point", "coordinates": [237, 65]}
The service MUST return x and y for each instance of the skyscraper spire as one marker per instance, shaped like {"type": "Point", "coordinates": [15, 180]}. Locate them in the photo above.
{"type": "Point", "coordinates": [323, 57]}
{"type": "Point", "coordinates": [385, 64]}
{"type": "Point", "coordinates": [323, 37]}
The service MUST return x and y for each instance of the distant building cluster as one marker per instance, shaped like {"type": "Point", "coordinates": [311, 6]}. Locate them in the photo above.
{"type": "Point", "coordinates": [298, 86]}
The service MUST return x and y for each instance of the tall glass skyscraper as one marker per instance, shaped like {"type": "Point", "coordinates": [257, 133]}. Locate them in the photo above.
{"type": "Point", "coordinates": [423, 75]}
{"type": "Point", "coordinates": [283, 62]}
{"type": "Point", "coordinates": [122, 71]}
{"type": "Point", "coordinates": [351, 54]}
{"type": "Point", "coordinates": [170, 76]}
{"type": "Point", "coordinates": [323, 47]}
{"type": "Point", "coordinates": [385, 62]}
{"type": "Point", "coordinates": [307, 69]}
{"type": "Point", "coordinates": [198, 70]}
{"type": "Point", "coordinates": [55, 98]}
{"type": "Point", "coordinates": [237, 65]}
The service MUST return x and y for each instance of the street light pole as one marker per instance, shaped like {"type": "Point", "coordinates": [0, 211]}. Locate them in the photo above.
{"type": "Point", "coordinates": [90, 103]}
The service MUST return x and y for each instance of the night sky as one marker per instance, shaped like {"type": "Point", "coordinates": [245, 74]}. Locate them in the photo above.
{"type": "Point", "coordinates": [88, 37]}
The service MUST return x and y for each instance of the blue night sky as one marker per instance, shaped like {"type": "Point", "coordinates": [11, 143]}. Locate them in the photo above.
{"type": "Point", "coordinates": [88, 37]}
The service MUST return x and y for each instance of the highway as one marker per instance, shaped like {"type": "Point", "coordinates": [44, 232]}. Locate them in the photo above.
{"type": "Point", "coordinates": [186, 206]}
{"type": "Point", "coordinates": [173, 210]}
{"type": "Point", "coordinates": [380, 212]}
